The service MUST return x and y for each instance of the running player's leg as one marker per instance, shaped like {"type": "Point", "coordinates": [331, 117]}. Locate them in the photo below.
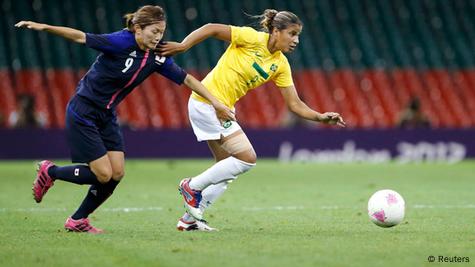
{"type": "Point", "coordinates": [79, 222]}
{"type": "Point", "coordinates": [112, 164]}
{"type": "Point", "coordinates": [104, 191]}
{"type": "Point", "coordinates": [242, 158]}
{"type": "Point", "coordinates": [98, 193]}
{"type": "Point", "coordinates": [230, 137]}
{"type": "Point", "coordinates": [212, 192]}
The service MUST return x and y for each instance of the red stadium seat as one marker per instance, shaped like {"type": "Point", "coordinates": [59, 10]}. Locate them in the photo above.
{"type": "Point", "coordinates": [32, 82]}
{"type": "Point", "coordinates": [467, 95]}
{"type": "Point", "coordinates": [378, 81]}
{"type": "Point", "coordinates": [8, 99]}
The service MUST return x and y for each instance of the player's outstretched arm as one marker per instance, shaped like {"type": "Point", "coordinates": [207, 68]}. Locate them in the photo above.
{"type": "Point", "coordinates": [65, 32]}
{"type": "Point", "coordinates": [218, 31]}
{"type": "Point", "coordinates": [222, 112]}
{"type": "Point", "coordinates": [297, 106]}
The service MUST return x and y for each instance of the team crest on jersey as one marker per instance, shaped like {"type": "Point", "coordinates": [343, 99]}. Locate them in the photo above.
{"type": "Point", "coordinates": [273, 67]}
{"type": "Point", "coordinates": [133, 54]}
{"type": "Point", "coordinates": [159, 59]}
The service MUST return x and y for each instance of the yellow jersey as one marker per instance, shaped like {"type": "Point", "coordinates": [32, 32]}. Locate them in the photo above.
{"type": "Point", "coordinates": [246, 64]}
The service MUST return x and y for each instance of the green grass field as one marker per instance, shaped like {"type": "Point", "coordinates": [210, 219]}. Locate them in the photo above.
{"type": "Point", "coordinates": [275, 215]}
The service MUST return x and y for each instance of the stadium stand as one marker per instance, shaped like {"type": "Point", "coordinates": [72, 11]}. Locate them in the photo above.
{"type": "Point", "coordinates": [365, 59]}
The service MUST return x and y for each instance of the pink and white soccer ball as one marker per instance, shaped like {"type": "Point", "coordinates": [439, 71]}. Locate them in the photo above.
{"type": "Point", "coordinates": [386, 208]}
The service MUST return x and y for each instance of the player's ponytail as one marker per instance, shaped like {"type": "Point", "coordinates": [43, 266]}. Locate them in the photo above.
{"type": "Point", "coordinates": [267, 18]}
{"type": "Point", "coordinates": [145, 16]}
{"type": "Point", "coordinates": [128, 21]}
{"type": "Point", "coordinates": [279, 20]}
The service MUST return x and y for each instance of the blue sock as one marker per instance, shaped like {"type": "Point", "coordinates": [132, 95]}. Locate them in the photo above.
{"type": "Point", "coordinates": [78, 174]}
{"type": "Point", "coordinates": [96, 195]}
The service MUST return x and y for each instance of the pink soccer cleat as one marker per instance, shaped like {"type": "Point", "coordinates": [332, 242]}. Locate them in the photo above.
{"type": "Point", "coordinates": [43, 181]}
{"type": "Point", "coordinates": [81, 226]}
{"type": "Point", "coordinates": [192, 199]}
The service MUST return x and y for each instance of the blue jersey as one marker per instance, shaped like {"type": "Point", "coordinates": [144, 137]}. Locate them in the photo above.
{"type": "Point", "coordinates": [120, 67]}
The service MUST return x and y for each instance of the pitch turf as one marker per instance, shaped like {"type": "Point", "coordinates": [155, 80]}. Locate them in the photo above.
{"type": "Point", "coordinates": [275, 215]}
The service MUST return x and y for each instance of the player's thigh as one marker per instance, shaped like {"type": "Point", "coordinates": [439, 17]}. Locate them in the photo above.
{"type": "Point", "coordinates": [102, 168]}
{"type": "Point", "coordinates": [117, 161]}
{"type": "Point", "coordinates": [112, 138]}
{"type": "Point", "coordinates": [84, 139]}
{"type": "Point", "coordinates": [218, 152]}
{"type": "Point", "coordinates": [238, 145]}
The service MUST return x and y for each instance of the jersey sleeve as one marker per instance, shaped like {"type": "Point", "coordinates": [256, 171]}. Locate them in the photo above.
{"type": "Point", "coordinates": [283, 78]}
{"type": "Point", "coordinates": [244, 36]}
{"type": "Point", "coordinates": [110, 43]}
{"type": "Point", "coordinates": [172, 71]}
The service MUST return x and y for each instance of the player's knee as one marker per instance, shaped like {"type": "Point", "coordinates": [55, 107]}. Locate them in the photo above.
{"type": "Point", "coordinates": [117, 175]}
{"type": "Point", "coordinates": [104, 177]}
{"type": "Point", "coordinates": [103, 174]}
{"type": "Point", "coordinates": [240, 148]}
{"type": "Point", "coordinates": [250, 157]}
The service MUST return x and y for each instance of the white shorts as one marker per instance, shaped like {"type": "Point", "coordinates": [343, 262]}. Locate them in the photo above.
{"type": "Point", "coordinates": [206, 125]}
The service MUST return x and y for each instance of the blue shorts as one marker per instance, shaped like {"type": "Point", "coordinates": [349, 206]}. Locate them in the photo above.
{"type": "Point", "coordinates": [91, 131]}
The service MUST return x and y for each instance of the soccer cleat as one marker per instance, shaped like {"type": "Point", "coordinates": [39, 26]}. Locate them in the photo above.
{"type": "Point", "coordinates": [43, 181]}
{"type": "Point", "coordinates": [192, 199]}
{"type": "Point", "coordinates": [203, 226]}
{"type": "Point", "coordinates": [199, 225]}
{"type": "Point", "coordinates": [81, 226]}
{"type": "Point", "coordinates": [186, 226]}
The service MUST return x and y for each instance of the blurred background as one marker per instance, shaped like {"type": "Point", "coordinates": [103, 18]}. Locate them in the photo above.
{"type": "Point", "coordinates": [401, 73]}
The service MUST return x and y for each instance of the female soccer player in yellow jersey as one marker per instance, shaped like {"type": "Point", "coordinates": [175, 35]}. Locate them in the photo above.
{"type": "Point", "coordinates": [252, 58]}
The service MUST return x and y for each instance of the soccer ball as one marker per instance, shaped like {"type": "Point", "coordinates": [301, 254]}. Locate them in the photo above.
{"type": "Point", "coordinates": [386, 208]}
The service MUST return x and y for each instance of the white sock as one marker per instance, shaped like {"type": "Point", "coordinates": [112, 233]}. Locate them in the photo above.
{"type": "Point", "coordinates": [211, 193]}
{"type": "Point", "coordinates": [224, 170]}
{"type": "Point", "coordinates": [188, 218]}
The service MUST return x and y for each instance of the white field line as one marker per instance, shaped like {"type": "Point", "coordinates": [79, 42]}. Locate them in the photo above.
{"type": "Point", "coordinates": [422, 206]}
{"type": "Point", "coordinates": [250, 209]}
{"type": "Point", "coordinates": [131, 209]}
{"type": "Point", "coordinates": [273, 208]}
{"type": "Point", "coordinates": [415, 206]}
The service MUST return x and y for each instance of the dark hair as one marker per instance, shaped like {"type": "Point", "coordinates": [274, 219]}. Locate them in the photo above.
{"type": "Point", "coordinates": [415, 104]}
{"type": "Point", "coordinates": [26, 111]}
{"type": "Point", "coordinates": [280, 20]}
{"type": "Point", "coordinates": [145, 16]}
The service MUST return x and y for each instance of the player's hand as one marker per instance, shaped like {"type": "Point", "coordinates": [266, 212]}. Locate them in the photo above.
{"type": "Point", "coordinates": [31, 25]}
{"type": "Point", "coordinates": [333, 118]}
{"type": "Point", "coordinates": [223, 112]}
{"type": "Point", "coordinates": [169, 48]}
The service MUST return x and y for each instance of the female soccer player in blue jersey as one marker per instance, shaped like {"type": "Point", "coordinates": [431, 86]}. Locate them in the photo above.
{"type": "Point", "coordinates": [127, 58]}
{"type": "Point", "coordinates": [252, 58]}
